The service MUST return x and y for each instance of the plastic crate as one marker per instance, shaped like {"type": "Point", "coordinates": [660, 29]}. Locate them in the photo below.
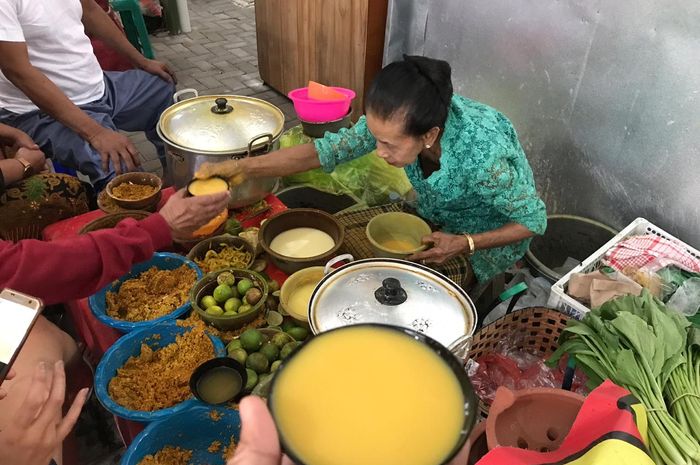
{"type": "Point", "coordinates": [559, 299]}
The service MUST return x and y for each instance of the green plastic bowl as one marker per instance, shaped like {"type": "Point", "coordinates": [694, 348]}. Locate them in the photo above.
{"type": "Point", "coordinates": [396, 226]}
{"type": "Point", "coordinates": [206, 285]}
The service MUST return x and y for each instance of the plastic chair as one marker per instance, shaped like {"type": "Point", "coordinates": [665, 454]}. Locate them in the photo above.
{"type": "Point", "coordinates": [134, 25]}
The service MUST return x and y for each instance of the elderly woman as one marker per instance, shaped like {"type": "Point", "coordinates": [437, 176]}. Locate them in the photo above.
{"type": "Point", "coordinates": [462, 157]}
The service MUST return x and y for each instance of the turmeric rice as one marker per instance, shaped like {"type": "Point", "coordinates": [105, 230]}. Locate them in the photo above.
{"type": "Point", "coordinates": [159, 379]}
{"type": "Point", "coordinates": [168, 455]}
{"type": "Point", "coordinates": [153, 294]}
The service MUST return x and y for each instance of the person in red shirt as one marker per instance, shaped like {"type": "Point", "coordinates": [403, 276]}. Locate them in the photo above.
{"type": "Point", "coordinates": [74, 268]}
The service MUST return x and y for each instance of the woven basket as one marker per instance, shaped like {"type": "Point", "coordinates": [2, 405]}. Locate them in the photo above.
{"type": "Point", "coordinates": [538, 329]}
{"type": "Point", "coordinates": [110, 221]}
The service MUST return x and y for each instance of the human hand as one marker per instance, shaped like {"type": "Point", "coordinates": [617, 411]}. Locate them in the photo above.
{"type": "Point", "coordinates": [19, 139]}
{"type": "Point", "coordinates": [185, 215]}
{"type": "Point", "coordinates": [39, 428]}
{"type": "Point", "coordinates": [115, 147]}
{"type": "Point", "coordinates": [233, 170]}
{"type": "Point", "coordinates": [445, 246]}
{"type": "Point", "coordinates": [159, 69]}
{"type": "Point", "coordinates": [34, 156]}
{"type": "Point", "coordinates": [259, 444]}
{"type": "Point", "coordinates": [10, 374]}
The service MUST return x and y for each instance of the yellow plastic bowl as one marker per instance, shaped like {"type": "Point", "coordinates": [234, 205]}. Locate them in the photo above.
{"type": "Point", "coordinates": [396, 234]}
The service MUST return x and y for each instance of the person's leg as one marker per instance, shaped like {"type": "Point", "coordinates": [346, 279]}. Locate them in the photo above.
{"type": "Point", "coordinates": [46, 343]}
{"type": "Point", "coordinates": [64, 145]}
{"type": "Point", "coordinates": [137, 99]}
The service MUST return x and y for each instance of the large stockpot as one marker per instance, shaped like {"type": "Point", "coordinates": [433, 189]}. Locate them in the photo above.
{"type": "Point", "coordinates": [216, 128]}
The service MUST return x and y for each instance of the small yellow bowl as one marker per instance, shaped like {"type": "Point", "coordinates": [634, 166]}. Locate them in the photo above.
{"type": "Point", "coordinates": [295, 283]}
{"type": "Point", "coordinates": [396, 234]}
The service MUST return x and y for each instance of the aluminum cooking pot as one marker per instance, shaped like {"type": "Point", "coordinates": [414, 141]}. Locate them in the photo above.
{"type": "Point", "coordinates": [216, 128]}
{"type": "Point", "coordinates": [394, 292]}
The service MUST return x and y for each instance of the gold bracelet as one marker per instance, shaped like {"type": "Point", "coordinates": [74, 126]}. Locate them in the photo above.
{"type": "Point", "coordinates": [472, 247]}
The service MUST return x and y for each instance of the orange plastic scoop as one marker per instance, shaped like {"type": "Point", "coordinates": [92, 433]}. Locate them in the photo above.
{"type": "Point", "coordinates": [320, 92]}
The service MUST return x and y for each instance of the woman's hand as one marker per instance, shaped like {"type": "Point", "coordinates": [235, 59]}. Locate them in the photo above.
{"type": "Point", "coordinates": [34, 156]}
{"type": "Point", "coordinates": [34, 435]}
{"type": "Point", "coordinates": [445, 246]}
{"type": "Point", "coordinates": [233, 170]}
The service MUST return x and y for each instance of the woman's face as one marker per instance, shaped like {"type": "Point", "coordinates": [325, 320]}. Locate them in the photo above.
{"type": "Point", "coordinates": [393, 145]}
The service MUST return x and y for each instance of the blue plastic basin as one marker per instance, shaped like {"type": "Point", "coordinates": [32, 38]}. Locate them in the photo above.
{"type": "Point", "coordinates": [129, 345]}
{"type": "Point", "coordinates": [161, 260]}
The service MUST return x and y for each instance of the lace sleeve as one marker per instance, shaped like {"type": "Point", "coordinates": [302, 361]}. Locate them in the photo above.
{"type": "Point", "coordinates": [346, 145]}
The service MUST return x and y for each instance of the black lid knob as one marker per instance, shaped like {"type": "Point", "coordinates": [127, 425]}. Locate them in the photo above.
{"type": "Point", "coordinates": [391, 292]}
{"type": "Point", "coordinates": [222, 106]}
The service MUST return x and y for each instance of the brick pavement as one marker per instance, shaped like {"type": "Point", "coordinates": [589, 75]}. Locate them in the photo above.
{"type": "Point", "coordinates": [219, 56]}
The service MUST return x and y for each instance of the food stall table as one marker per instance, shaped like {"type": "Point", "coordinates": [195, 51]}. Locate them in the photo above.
{"type": "Point", "coordinates": [98, 337]}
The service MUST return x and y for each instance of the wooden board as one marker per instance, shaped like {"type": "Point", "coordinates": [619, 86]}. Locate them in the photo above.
{"type": "Point", "coordinates": [334, 42]}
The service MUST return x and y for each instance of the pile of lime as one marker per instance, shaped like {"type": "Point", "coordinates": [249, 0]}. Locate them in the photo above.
{"type": "Point", "coordinates": [263, 352]}
{"type": "Point", "coordinates": [231, 297]}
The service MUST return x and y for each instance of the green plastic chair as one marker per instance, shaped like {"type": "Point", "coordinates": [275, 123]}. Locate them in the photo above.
{"type": "Point", "coordinates": [134, 25]}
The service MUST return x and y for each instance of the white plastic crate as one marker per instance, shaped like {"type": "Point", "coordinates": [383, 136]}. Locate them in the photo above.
{"type": "Point", "coordinates": [559, 299]}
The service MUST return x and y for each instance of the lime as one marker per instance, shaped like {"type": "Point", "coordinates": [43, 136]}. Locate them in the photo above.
{"type": "Point", "coordinates": [243, 285]}
{"type": "Point", "coordinates": [232, 305]}
{"type": "Point", "coordinates": [233, 345]}
{"type": "Point", "coordinates": [207, 301]}
{"type": "Point", "coordinates": [275, 365]}
{"type": "Point", "coordinates": [251, 340]}
{"type": "Point", "coordinates": [274, 318]}
{"type": "Point", "coordinates": [272, 286]}
{"type": "Point", "coordinates": [288, 349]}
{"type": "Point", "coordinates": [271, 351]}
{"type": "Point", "coordinates": [222, 293]}
{"type": "Point", "coordinates": [230, 313]}
{"type": "Point", "coordinates": [244, 309]}
{"type": "Point", "coordinates": [215, 310]}
{"type": "Point", "coordinates": [226, 278]}
{"type": "Point", "coordinates": [298, 333]}
{"type": "Point", "coordinates": [280, 339]}
{"type": "Point", "coordinates": [252, 379]}
{"type": "Point", "coordinates": [238, 355]}
{"type": "Point", "coordinates": [287, 325]}
{"type": "Point", "coordinates": [258, 362]}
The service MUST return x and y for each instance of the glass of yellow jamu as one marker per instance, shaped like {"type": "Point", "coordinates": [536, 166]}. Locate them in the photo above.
{"type": "Point", "coordinates": [372, 394]}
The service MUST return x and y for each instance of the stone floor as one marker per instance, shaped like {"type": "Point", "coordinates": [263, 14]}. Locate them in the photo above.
{"type": "Point", "coordinates": [219, 56]}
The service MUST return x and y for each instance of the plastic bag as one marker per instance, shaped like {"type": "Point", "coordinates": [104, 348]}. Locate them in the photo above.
{"type": "Point", "coordinates": [686, 299]}
{"type": "Point", "coordinates": [508, 365]}
{"type": "Point", "coordinates": [369, 178]}
{"type": "Point", "coordinates": [538, 290]}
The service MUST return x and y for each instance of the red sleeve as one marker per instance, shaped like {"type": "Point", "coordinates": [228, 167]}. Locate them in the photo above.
{"type": "Point", "coordinates": [69, 269]}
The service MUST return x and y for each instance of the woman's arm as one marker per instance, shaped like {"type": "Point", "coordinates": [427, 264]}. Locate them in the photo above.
{"type": "Point", "coordinates": [13, 170]}
{"type": "Point", "coordinates": [326, 152]}
{"type": "Point", "coordinates": [446, 246]}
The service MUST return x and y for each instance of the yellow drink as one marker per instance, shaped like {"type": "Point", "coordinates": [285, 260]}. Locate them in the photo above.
{"type": "Point", "coordinates": [298, 305]}
{"type": "Point", "coordinates": [400, 245]}
{"type": "Point", "coordinates": [368, 395]}
{"type": "Point", "coordinates": [207, 186]}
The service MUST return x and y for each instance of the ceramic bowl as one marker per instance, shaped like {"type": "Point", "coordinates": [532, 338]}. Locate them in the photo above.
{"type": "Point", "coordinates": [396, 226]}
{"type": "Point", "coordinates": [142, 178]}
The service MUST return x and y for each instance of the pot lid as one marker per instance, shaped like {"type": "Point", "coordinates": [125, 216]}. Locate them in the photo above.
{"type": "Point", "coordinates": [394, 292]}
{"type": "Point", "coordinates": [222, 124]}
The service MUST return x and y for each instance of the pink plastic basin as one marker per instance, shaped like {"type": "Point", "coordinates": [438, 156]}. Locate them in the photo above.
{"type": "Point", "coordinates": [320, 111]}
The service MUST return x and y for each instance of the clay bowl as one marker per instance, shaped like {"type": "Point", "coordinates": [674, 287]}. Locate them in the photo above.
{"type": "Point", "coordinates": [147, 179]}
{"type": "Point", "coordinates": [300, 218]}
{"type": "Point", "coordinates": [536, 419]}
{"type": "Point", "coordinates": [111, 220]}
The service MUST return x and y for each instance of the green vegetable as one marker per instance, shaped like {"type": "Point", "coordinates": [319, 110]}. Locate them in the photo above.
{"type": "Point", "coordinates": [639, 345]}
